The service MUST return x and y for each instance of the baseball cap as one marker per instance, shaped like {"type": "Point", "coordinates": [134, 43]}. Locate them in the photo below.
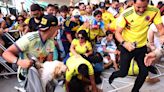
{"type": "Point", "coordinates": [47, 21]}
{"type": "Point", "coordinates": [76, 13]}
{"type": "Point", "coordinates": [102, 5]}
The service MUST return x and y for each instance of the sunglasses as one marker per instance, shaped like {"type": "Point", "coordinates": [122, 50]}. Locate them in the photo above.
{"type": "Point", "coordinates": [81, 38]}
{"type": "Point", "coordinates": [20, 19]}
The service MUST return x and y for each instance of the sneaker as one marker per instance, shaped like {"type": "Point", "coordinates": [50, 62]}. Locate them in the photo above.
{"type": "Point", "coordinates": [152, 80]}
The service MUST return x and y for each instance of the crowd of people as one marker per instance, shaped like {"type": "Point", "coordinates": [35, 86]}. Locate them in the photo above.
{"type": "Point", "coordinates": [88, 39]}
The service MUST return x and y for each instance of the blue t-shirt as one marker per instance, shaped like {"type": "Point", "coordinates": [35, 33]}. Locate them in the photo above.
{"type": "Point", "coordinates": [100, 23]}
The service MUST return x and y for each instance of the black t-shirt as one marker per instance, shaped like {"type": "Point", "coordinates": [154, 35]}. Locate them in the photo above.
{"type": "Point", "coordinates": [69, 28]}
{"type": "Point", "coordinates": [33, 25]}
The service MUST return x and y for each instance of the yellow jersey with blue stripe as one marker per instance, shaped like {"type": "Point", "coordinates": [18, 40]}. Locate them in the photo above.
{"type": "Point", "coordinates": [73, 63]}
{"type": "Point", "coordinates": [136, 26]}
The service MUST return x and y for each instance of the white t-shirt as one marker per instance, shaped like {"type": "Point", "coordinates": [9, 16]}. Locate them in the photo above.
{"type": "Point", "coordinates": [113, 11]}
{"type": "Point", "coordinates": [156, 34]}
{"type": "Point", "coordinates": [110, 44]}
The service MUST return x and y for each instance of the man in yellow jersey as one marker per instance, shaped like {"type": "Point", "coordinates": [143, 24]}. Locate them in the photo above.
{"type": "Point", "coordinates": [81, 71]}
{"type": "Point", "coordinates": [131, 32]}
{"type": "Point", "coordinates": [107, 17]}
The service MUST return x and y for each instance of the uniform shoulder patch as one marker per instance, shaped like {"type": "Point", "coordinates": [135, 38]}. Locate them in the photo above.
{"type": "Point", "coordinates": [129, 12]}
{"type": "Point", "coordinates": [67, 23]}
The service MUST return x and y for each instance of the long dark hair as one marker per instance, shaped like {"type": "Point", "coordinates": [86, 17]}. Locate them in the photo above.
{"type": "Point", "coordinates": [84, 34]}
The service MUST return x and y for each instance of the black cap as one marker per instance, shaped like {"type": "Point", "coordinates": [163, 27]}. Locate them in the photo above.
{"type": "Point", "coordinates": [102, 5]}
{"type": "Point", "coordinates": [35, 7]}
{"type": "Point", "coordinates": [48, 21]}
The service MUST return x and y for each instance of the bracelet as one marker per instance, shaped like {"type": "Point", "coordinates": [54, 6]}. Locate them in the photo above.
{"type": "Point", "coordinates": [15, 61]}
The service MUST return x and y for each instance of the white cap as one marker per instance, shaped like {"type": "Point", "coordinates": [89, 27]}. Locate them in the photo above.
{"type": "Point", "coordinates": [76, 12]}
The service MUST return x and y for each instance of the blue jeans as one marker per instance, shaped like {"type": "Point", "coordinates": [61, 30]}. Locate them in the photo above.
{"type": "Point", "coordinates": [66, 58]}
{"type": "Point", "coordinates": [61, 48]}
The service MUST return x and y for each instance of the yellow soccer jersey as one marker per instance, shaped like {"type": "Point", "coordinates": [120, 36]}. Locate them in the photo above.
{"type": "Point", "coordinates": [27, 20]}
{"type": "Point", "coordinates": [72, 63]}
{"type": "Point", "coordinates": [81, 49]}
{"type": "Point", "coordinates": [93, 33]}
{"type": "Point", "coordinates": [136, 26]}
{"type": "Point", "coordinates": [112, 26]}
{"type": "Point", "coordinates": [107, 19]}
{"type": "Point", "coordinates": [121, 10]}
{"type": "Point", "coordinates": [83, 28]}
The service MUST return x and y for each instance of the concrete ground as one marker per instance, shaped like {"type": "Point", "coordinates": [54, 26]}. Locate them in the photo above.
{"type": "Point", "coordinates": [119, 84]}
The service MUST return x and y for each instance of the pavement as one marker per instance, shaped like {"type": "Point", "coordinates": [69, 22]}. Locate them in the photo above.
{"type": "Point", "coordinates": [118, 85]}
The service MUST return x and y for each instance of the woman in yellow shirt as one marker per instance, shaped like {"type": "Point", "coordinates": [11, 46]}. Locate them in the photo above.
{"type": "Point", "coordinates": [81, 45]}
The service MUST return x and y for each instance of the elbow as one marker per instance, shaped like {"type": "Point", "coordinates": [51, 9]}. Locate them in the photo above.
{"type": "Point", "coordinates": [4, 54]}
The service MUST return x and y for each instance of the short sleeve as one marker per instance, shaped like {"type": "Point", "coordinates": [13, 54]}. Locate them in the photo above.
{"type": "Point", "coordinates": [153, 28]}
{"type": "Point", "coordinates": [69, 74]}
{"type": "Point", "coordinates": [27, 21]}
{"type": "Point", "coordinates": [90, 67]}
{"type": "Point", "coordinates": [121, 22]}
{"type": "Point", "coordinates": [89, 45]}
{"type": "Point", "coordinates": [74, 42]}
{"type": "Point", "coordinates": [157, 19]}
{"type": "Point", "coordinates": [22, 43]}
